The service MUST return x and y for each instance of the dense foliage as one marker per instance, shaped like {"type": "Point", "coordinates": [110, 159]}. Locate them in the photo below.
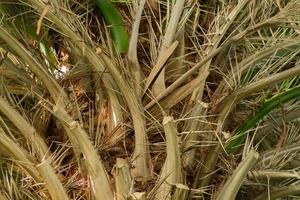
{"type": "Point", "coordinates": [157, 99]}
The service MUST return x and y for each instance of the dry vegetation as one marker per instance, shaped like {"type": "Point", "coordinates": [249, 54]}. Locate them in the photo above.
{"type": "Point", "coordinates": [202, 105]}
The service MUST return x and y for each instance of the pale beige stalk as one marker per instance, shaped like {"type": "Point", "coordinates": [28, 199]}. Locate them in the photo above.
{"type": "Point", "coordinates": [233, 184]}
{"type": "Point", "coordinates": [123, 179]}
{"type": "Point", "coordinates": [2, 197]}
{"type": "Point", "coordinates": [171, 172]}
{"type": "Point", "coordinates": [228, 104]}
{"type": "Point", "coordinates": [181, 192]}
{"type": "Point", "coordinates": [55, 90]}
{"type": "Point", "coordinates": [280, 193]}
{"type": "Point", "coordinates": [270, 174]}
{"type": "Point", "coordinates": [134, 65]}
{"type": "Point", "coordinates": [39, 147]}
{"type": "Point", "coordinates": [52, 183]}
{"type": "Point", "coordinates": [19, 155]}
{"type": "Point", "coordinates": [196, 97]}
{"type": "Point", "coordinates": [141, 157]}
{"type": "Point", "coordinates": [99, 179]}
{"type": "Point", "coordinates": [138, 196]}
{"type": "Point", "coordinates": [159, 84]}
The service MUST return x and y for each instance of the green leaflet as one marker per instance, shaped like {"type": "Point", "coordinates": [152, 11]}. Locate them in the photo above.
{"type": "Point", "coordinates": [114, 21]}
{"type": "Point", "coordinates": [264, 109]}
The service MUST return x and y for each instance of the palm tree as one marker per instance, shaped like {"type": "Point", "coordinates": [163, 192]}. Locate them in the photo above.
{"type": "Point", "coordinates": [149, 99]}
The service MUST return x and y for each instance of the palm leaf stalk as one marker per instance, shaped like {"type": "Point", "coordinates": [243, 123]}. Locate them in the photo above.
{"type": "Point", "coordinates": [280, 193]}
{"type": "Point", "coordinates": [141, 156]}
{"type": "Point", "coordinates": [159, 83]}
{"type": "Point", "coordinates": [233, 184]}
{"type": "Point", "coordinates": [53, 184]}
{"type": "Point", "coordinates": [59, 96]}
{"type": "Point", "coordinates": [21, 157]}
{"type": "Point", "coordinates": [196, 98]}
{"type": "Point", "coordinates": [228, 103]}
{"type": "Point", "coordinates": [236, 54]}
{"type": "Point", "coordinates": [123, 179]}
{"type": "Point", "coordinates": [135, 67]}
{"type": "Point", "coordinates": [171, 172]}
